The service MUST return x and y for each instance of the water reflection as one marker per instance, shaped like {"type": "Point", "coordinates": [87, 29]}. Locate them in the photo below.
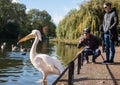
{"type": "Point", "coordinates": [66, 52]}
{"type": "Point", "coordinates": [16, 69]}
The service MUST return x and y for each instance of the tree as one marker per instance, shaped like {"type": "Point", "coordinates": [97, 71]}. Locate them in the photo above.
{"type": "Point", "coordinates": [11, 15]}
{"type": "Point", "coordinates": [41, 20]}
{"type": "Point", "coordinates": [90, 14]}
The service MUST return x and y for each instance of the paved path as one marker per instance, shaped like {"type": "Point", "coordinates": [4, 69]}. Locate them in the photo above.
{"type": "Point", "coordinates": [97, 74]}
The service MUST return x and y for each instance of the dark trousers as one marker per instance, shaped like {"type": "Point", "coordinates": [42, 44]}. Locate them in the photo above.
{"type": "Point", "coordinates": [88, 52]}
{"type": "Point", "coordinates": [110, 48]}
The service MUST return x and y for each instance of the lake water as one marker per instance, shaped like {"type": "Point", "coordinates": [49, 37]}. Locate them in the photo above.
{"type": "Point", "coordinates": [16, 68]}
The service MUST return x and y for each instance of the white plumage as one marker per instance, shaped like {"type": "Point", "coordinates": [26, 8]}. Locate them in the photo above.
{"type": "Point", "coordinates": [42, 62]}
{"type": "Point", "coordinates": [14, 48]}
{"type": "Point", "coordinates": [3, 46]}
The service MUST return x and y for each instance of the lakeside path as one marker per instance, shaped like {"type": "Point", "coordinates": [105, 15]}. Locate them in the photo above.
{"type": "Point", "coordinates": [97, 74]}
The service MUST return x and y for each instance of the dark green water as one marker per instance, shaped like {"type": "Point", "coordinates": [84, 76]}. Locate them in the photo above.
{"type": "Point", "coordinates": [16, 68]}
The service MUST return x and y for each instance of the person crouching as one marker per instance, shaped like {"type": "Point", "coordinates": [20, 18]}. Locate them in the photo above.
{"type": "Point", "coordinates": [91, 44]}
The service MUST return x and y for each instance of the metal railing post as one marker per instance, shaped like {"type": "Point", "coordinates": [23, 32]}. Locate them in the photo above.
{"type": "Point", "coordinates": [79, 64]}
{"type": "Point", "coordinates": [82, 58]}
{"type": "Point", "coordinates": [71, 73]}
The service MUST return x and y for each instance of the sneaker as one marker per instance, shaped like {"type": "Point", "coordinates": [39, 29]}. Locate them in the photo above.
{"type": "Point", "coordinates": [106, 62]}
{"type": "Point", "coordinates": [86, 62]}
{"type": "Point", "coordinates": [111, 61]}
{"type": "Point", "coordinates": [93, 61]}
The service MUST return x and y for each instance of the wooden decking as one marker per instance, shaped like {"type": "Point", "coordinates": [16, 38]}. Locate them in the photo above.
{"type": "Point", "coordinates": [96, 74]}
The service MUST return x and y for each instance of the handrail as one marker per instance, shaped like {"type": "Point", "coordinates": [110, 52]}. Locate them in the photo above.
{"type": "Point", "coordinates": [70, 68]}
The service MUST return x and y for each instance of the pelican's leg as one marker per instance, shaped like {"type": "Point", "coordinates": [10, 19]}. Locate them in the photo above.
{"type": "Point", "coordinates": [44, 77]}
{"type": "Point", "coordinates": [44, 83]}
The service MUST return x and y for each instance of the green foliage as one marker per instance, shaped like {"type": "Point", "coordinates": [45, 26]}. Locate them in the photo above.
{"type": "Point", "coordinates": [12, 15]}
{"type": "Point", "coordinates": [90, 14]}
{"type": "Point", "coordinates": [16, 23]}
{"type": "Point", "coordinates": [38, 19]}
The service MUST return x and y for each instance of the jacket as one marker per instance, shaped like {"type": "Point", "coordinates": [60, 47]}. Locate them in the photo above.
{"type": "Point", "coordinates": [110, 22]}
{"type": "Point", "coordinates": [92, 43]}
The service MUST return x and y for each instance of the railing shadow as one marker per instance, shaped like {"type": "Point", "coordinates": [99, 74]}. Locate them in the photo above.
{"type": "Point", "coordinates": [86, 78]}
{"type": "Point", "coordinates": [110, 72]}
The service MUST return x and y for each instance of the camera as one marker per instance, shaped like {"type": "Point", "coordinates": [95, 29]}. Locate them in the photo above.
{"type": "Point", "coordinates": [79, 45]}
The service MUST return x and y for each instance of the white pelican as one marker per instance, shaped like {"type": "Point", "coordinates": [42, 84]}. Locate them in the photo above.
{"type": "Point", "coordinates": [3, 46]}
{"type": "Point", "coordinates": [42, 62]}
{"type": "Point", "coordinates": [23, 49]}
{"type": "Point", "coordinates": [14, 48]}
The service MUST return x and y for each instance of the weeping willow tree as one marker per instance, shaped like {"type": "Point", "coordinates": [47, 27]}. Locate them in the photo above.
{"type": "Point", "coordinates": [66, 26]}
{"type": "Point", "coordinates": [90, 14]}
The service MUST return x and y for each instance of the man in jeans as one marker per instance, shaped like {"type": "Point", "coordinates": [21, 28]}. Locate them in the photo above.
{"type": "Point", "coordinates": [91, 44]}
{"type": "Point", "coordinates": [110, 22]}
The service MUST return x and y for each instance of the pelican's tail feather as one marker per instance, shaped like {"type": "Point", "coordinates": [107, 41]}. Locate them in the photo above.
{"type": "Point", "coordinates": [58, 65]}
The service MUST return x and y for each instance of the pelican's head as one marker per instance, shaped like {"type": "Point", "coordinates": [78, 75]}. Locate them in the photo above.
{"type": "Point", "coordinates": [33, 34]}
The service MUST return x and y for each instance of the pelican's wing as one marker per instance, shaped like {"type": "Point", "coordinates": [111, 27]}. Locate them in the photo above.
{"type": "Point", "coordinates": [58, 64]}
{"type": "Point", "coordinates": [51, 61]}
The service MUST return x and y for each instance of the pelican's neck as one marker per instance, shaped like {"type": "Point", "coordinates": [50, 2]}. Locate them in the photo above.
{"type": "Point", "coordinates": [33, 48]}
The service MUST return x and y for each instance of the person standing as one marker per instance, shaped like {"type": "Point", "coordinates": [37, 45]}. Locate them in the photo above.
{"type": "Point", "coordinates": [110, 21]}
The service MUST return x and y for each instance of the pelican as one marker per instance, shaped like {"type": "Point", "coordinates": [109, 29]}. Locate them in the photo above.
{"type": "Point", "coordinates": [44, 63]}
{"type": "Point", "coordinates": [14, 48]}
{"type": "Point", "coordinates": [3, 46]}
{"type": "Point", "coordinates": [23, 49]}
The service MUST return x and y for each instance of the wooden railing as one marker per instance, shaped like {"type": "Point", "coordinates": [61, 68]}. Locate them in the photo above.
{"type": "Point", "coordinates": [71, 68]}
